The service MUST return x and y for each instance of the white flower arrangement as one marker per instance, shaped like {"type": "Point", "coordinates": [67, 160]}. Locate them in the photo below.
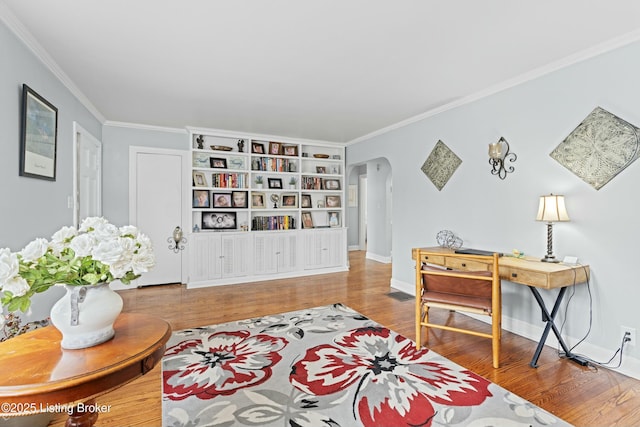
{"type": "Point", "coordinates": [96, 252]}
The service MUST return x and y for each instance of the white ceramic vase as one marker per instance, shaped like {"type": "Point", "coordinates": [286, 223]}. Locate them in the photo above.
{"type": "Point", "coordinates": [85, 315]}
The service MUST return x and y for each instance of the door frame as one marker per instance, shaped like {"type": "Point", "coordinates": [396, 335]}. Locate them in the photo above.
{"type": "Point", "coordinates": [79, 130]}
{"type": "Point", "coordinates": [133, 208]}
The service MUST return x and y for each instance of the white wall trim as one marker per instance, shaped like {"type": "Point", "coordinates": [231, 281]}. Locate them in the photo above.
{"type": "Point", "coordinates": [379, 258]}
{"type": "Point", "coordinates": [630, 365]}
{"type": "Point", "coordinates": [145, 127]}
{"type": "Point", "coordinates": [25, 36]}
{"type": "Point", "coordinates": [518, 80]}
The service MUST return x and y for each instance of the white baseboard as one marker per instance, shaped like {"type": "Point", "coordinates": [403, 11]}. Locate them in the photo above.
{"type": "Point", "coordinates": [353, 248]}
{"type": "Point", "coordinates": [379, 258]}
{"type": "Point", "coordinates": [630, 365]}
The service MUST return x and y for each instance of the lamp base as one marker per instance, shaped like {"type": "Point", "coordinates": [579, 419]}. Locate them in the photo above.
{"type": "Point", "coordinates": [551, 258]}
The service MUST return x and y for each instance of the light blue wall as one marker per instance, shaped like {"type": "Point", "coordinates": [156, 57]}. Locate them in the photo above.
{"type": "Point", "coordinates": [31, 207]}
{"type": "Point", "coordinates": [500, 215]}
{"type": "Point", "coordinates": [115, 157]}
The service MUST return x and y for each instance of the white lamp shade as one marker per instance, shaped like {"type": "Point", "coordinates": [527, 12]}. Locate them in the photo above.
{"type": "Point", "coordinates": [552, 209]}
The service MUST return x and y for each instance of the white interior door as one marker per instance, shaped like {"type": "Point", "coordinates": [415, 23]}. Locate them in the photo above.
{"type": "Point", "coordinates": [156, 207]}
{"type": "Point", "coordinates": [87, 175]}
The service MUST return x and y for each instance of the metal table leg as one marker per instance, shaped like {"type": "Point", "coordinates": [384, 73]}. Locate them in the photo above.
{"type": "Point", "coordinates": [549, 319]}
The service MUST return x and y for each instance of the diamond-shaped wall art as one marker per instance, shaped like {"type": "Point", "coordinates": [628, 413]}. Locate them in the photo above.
{"type": "Point", "coordinates": [599, 148]}
{"type": "Point", "coordinates": [440, 165]}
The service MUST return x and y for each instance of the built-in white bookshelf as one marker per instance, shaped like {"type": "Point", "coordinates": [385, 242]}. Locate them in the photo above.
{"type": "Point", "coordinates": [263, 207]}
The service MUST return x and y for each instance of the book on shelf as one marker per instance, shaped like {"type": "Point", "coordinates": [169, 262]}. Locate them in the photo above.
{"type": "Point", "coordinates": [273, 222]}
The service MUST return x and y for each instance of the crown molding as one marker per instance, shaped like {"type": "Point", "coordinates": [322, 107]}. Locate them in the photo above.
{"type": "Point", "coordinates": [144, 127]}
{"type": "Point", "coordinates": [581, 56]}
{"type": "Point", "coordinates": [25, 36]}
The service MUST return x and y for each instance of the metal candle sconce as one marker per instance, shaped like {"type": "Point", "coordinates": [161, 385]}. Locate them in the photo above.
{"type": "Point", "coordinates": [498, 155]}
{"type": "Point", "coordinates": [177, 241]}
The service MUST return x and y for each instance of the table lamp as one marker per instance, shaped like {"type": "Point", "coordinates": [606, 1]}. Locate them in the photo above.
{"type": "Point", "coordinates": [551, 209]}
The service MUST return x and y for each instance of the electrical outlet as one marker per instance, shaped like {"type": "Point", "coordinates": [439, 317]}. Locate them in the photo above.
{"type": "Point", "coordinates": [631, 336]}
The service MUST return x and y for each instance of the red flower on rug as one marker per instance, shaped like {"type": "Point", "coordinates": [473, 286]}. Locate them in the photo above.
{"type": "Point", "coordinates": [220, 364]}
{"type": "Point", "coordinates": [395, 383]}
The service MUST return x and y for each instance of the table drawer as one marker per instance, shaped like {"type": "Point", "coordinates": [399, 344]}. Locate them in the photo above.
{"type": "Point", "coordinates": [524, 277]}
{"type": "Point", "coordinates": [466, 264]}
{"type": "Point", "coordinates": [433, 259]}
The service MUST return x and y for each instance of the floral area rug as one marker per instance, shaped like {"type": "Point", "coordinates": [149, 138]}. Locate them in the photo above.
{"type": "Point", "coordinates": [325, 366]}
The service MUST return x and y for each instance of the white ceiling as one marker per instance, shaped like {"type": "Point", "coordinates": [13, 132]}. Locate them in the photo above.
{"type": "Point", "coordinates": [333, 70]}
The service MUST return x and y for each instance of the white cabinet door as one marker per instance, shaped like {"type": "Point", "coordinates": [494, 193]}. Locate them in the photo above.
{"type": "Point", "coordinates": [204, 257]}
{"type": "Point", "coordinates": [275, 252]}
{"type": "Point", "coordinates": [323, 248]}
{"type": "Point", "coordinates": [236, 255]}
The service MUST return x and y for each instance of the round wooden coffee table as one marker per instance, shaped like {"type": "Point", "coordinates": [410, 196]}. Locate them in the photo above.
{"type": "Point", "coordinates": [39, 376]}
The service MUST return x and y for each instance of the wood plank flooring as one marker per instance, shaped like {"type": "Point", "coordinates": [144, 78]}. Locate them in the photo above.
{"type": "Point", "coordinates": [580, 395]}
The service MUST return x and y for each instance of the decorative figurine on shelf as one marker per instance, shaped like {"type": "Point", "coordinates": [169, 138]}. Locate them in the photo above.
{"type": "Point", "coordinates": [275, 199]}
{"type": "Point", "coordinates": [200, 142]}
{"type": "Point", "coordinates": [241, 145]}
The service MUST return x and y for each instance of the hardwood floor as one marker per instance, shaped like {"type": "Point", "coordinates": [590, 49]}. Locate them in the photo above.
{"type": "Point", "coordinates": [580, 395]}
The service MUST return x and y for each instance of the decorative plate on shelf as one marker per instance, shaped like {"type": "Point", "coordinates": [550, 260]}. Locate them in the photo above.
{"type": "Point", "coordinates": [221, 148]}
{"type": "Point", "coordinates": [321, 156]}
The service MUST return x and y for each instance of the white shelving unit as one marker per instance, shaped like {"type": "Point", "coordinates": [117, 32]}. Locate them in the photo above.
{"type": "Point", "coordinates": [288, 225]}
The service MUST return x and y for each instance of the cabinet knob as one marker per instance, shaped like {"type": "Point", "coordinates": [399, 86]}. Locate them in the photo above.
{"type": "Point", "coordinates": [514, 274]}
{"type": "Point", "coordinates": [464, 265]}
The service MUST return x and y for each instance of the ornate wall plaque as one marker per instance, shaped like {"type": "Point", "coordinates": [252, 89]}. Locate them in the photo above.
{"type": "Point", "coordinates": [440, 165]}
{"type": "Point", "coordinates": [599, 148]}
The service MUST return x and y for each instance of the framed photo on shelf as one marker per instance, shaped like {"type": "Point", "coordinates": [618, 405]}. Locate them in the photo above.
{"type": "Point", "coordinates": [331, 184]}
{"type": "Point", "coordinates": [334, 219]}
{"type": "Point", "coordinates": [221, 200]}
{"type": "Point", "coordinates": [257, 148]}
{"type": "Point", "coordinates": [275, 148]}
{"type": "Point", "coordinates": [275, 183]}
{"type": "Point", "coordinates": [218, 163]}
{"type": "Point", "coordinates": [305, 201]}
{"type": "Point", "coordinates": [290, 150]}
{"type": "Point", "coordinates": [239, 199]}
{"type": "Point", "coordinates": [332, 201]}
{"type": "Point", "coordinates": [257, 201]}
{"type": "Point", "coordinates": [201, 199]}
{"type": "Point", "coordinates": [199, 180]}
{"type": "Point", "coordinates": [289, 200]}
{"type": "Point", "coordinates": [307, 220]}
{"type": "Point", "coordinates": [218, 221]}
{"type": "Point", "coordinates": [321, 169]}
{"type": "Point", "coordinates": [39, 136]}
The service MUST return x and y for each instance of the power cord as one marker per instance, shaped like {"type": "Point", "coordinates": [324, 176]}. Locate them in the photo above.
{"type": "Point", "coordinates": [581, 357]}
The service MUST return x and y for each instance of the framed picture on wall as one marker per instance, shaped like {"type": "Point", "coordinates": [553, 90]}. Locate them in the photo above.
{"type": "Point", "coordinates": [39, 136]}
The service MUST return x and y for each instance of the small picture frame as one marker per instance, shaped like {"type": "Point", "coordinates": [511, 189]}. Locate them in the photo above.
{"type": "Point", "coordinates": [218, 162]}
{"type": "Point", "coordinates": [199, 180]}
{"type": "Point", "coordinates": [257, 148]}
{"type": "Point", "coordinates": [289, 200]}
{"type": "Point", "coordinates": [257, 201]}
{"type": "Point", "coordinates": [39, 136]}
{"type": "Point", "coordinates": [218, 221]}
{"type": "Point", "coordinates": [331, 184]}
{"type": "Point", "coordinates": [275, 148]}
{"type": "Point", "coordinates": [305, 201]}
{"type": "Point", "coordinates": [332, 201]}
{"type": "Point", "coordinates": [321, 169]}
{"type": "Point", "coordinates": [307, 220]}
{"type": "Point", "coordinates": [221, 200]}
{"type": "Point", "coordinates": [334, 219]}
{"type": "Point", "coordinates": [275, 183]}
{"type": "Point", "coordinates": [201, 199]}
{"type": "Point", "coordinates": [239, 199]}
{"type": "Point", "coordinates": [290, 150]}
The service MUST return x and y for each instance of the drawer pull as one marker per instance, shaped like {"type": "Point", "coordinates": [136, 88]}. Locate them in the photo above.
{"type": "Point", "coordinates": [514, 274]}
{"type": "Point", "coordinates": [464, 265]}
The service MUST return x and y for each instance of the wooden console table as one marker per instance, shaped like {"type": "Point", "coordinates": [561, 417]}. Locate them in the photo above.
{"type": "Point", "coordinates": [39, 376]}
{"type": "Point", "coordinates": [528, 271]}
